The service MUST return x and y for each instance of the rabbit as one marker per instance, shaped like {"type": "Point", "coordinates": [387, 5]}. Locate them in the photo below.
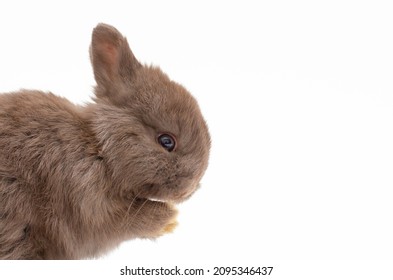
{"type": "Point", "coordinates": [76, 181]}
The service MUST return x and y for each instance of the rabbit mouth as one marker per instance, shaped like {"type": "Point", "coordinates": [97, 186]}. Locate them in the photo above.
{"type": "Point", "coordinates": [155, 193]}
{"type": "Point", "coordinates": [158, 200]}
{"type": "Point", "coordinates": [141, 201]}
{"type": "Point", "coordinates": [164, 194]}
{"type": "Point", "coordinates": [155, 197]}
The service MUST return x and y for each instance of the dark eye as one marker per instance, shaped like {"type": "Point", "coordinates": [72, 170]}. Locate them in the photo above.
{"type": "Point", "coordinates": [167, 141]}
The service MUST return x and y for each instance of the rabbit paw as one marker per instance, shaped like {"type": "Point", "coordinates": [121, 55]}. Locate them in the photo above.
{"type": "Point", "coordinates": [154, 219]}
{"type": "Point", "coordinates": [171, 225]}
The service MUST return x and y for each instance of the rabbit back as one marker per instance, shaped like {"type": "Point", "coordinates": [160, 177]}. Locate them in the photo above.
{"type": "Point", "coordinates": [47, 165]}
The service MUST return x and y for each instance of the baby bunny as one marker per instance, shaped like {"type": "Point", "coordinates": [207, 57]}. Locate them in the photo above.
{"type": "Point", "coordinates": [77, 181]}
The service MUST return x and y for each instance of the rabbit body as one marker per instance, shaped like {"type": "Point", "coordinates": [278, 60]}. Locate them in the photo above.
{"type": "Point", "coordinates": [76, 181]}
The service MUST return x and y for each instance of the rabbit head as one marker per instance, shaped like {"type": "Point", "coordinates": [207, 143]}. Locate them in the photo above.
{"type": "Point", "coordinates": [150, 130]}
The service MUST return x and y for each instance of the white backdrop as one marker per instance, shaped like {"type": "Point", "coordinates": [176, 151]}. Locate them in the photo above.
{"type": "Point", "coordinates": [298, 96]}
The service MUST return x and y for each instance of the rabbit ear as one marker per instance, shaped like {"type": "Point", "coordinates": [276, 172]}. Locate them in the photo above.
{"type": "Point", "coordinates": [111, 57]}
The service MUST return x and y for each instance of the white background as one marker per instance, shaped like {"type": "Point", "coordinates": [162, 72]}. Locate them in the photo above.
{"type": "Point", "coordinates": [298, 96]}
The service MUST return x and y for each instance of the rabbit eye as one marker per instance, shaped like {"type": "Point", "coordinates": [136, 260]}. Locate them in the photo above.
{"type": "Point", "coordinates": [167, 141]}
